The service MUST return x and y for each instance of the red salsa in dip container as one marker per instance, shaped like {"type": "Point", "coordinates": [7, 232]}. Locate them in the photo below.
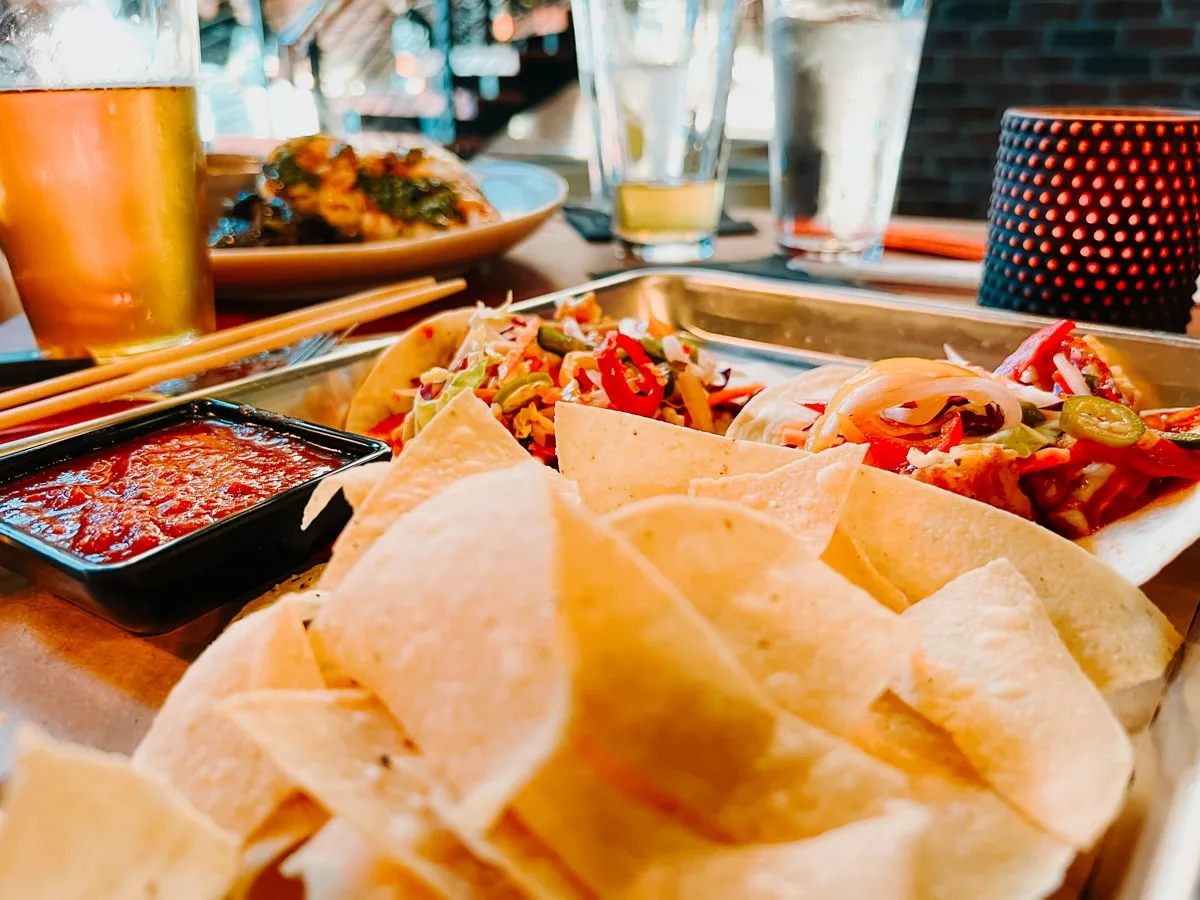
{"type": "Point", "coordinates": [153, 522]}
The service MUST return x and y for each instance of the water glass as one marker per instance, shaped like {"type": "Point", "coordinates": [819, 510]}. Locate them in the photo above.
{"type": "Point", "coordinates": [660, 71]}
{"type": "Point", "coordinates": [845, 72]}
{"type": "Point", "coordinates": [101, 174]}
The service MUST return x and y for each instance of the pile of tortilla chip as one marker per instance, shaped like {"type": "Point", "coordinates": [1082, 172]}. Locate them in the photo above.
{"type": "Point", "coordinates": [687, 667]}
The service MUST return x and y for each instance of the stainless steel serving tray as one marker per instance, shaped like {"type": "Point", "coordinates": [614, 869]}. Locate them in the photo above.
{"type": "Point", "coordinates": [769, 329]}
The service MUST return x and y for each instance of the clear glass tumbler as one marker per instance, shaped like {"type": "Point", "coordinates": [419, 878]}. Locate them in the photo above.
{"type": "Point", "coordinates": [102, 173]}
{"type": "Point", "coordinates": [845, 72]}
{"type": "Point", "coordinates": [661, 72]}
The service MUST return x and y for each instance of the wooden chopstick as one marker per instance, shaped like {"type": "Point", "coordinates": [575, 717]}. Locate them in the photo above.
{"type": "Point", "coordinates": [345, 315]}
{"type": "Point", "coordinates": [227, 337]}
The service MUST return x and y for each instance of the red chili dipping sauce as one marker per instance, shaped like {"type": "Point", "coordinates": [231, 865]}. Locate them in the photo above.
{"type": "Point", "coordinates": [140, 494]}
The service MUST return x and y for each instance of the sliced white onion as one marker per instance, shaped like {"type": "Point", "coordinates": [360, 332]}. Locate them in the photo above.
{"type": "Point", "coordinates": [867, 402]}
{"type": "Point", "coordinates": [674, 350]}
{"type": "Point", "coordinates": [954, 356]}
{"type": "Point", "coordinates": [1076, 383]}
{"type": "Point", "coordinates": [1030, 394]}
{"type": "Point", "coordinates": [919, 459]}
{"type": "Point", "coordinates": [632, 328]}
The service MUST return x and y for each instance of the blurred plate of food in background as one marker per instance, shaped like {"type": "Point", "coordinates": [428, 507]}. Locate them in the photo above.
{"type": "Point", "coordinates": [317, 217]}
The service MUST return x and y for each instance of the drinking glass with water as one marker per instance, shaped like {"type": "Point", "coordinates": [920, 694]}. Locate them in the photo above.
{"type": "Point", "coordinates": [659, 72]}
{"type": "Point", "coordinates": [845, 72]}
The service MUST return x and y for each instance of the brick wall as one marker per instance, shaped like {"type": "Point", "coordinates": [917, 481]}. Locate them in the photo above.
{"type": "Point", "coordinates": [982, 56]}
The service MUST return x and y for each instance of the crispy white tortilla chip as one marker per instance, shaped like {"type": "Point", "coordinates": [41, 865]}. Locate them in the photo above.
{"type": "Point", "coordinates": [463, 439]}
{"type": "Point", "coordinates": [807, 496]}
{"type": "Point", "coordinates": [354, 483]}
{"type": "Point", "coordinates": [1141, 544]}
{"type": "Point", "coordinates": [294, 822]}
{"type": "Point", "coordinates": [80, 824]}
{"type": "Point", "coordinates": [821, 648]}
{"type": "Point", "coordinates": [994, 673]}
{"type": "Point", "coordinates": [340, 863]}
{"type": "Point", "coordinates": [345, 752]}
{"type": "Point", "coordinates": [660, 693]}
{"type": "Point", "coordinates": [617, 458]}
{"type": "Point", "coordinates": [780, 404]}
{"type": "Point", "coordinates": [400, 627]}
{"type": "Point", "coordinates": [873, 859]}
{"type": "Point", "coordinates": [606, 836]}
{"type": "Point", "coordinates": [977, 845]}
{"type": "Point", "coordinates": [208, 760]}
{"type": "Point", "coordinates": [386, 391]}
{"type": "Point", "coordinates": [921, 537]}
{"type": "Point", "coordinates": [844, 557]}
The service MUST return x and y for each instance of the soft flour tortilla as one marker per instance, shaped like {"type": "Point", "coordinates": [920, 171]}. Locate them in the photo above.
{"type": "Point", "coordinates": [1138, 546]}
{"type": "Point", "coordinates": [920, 538]}
{"type": "Point", "coordinates": [780, 404]}
{"type": "Point", "coordinates": [431, 342]}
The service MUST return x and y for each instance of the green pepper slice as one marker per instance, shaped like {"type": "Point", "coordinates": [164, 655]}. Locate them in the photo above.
{"type": "Point", "coordinates": [1188, 440]}
{"type": "Point", "coordinates": [554, 341]}
{"type": "Point", "coordinates": [520, 391]}
{"type": "Point", "coordinates": [1031, 415]}
{"type": "Point", "coordinates": [1103, 421]}
{"type": "Point", "coordinates": [1021, 439]}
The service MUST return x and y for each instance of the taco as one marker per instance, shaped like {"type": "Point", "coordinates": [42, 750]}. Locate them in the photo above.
{"type": "Point", "coordinates": [523, 364]}
{"type": "Point", "coordinates": [1055, 434]}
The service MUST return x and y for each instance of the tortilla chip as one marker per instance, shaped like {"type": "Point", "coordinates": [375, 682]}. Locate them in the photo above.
{"type": "Point", "coordinates": [81, 824]}
{"type": "Point", "coordinates": [474, 666]}
{"type": "Point", "coordinates": [922, 537]}
{"type": "Point", "coordinates": [844, 557]}
{"type": "Point", "coordinates": [821, 648]}
{"type": "Point", "coordinates": [345, 752]}
{"type": "Point", "coordinates": [1141, 544]}
{"type": "Point", "coordinates": [605, 836]}
{"type": "Point", "coordinates": [431, 342]}
{"type": "Point", "coordinates": [807, 496]}
{"type": "Point", "coordinates": [659, 692]}
{"type": "Point", "coordinates": [617, 458]}
{"type": "Point", "coordinates": [977, 846]}
{"type": "Point", "coordinates": [780, 404]}
{"type": "Point", "coordinates": [289, 826]}
{"type": "Point", "coordinates": [463, 439]}
{"type": "Point", "coordinates": [874, 858]}
{"type": "Point", "coordinates": [354, 483]}
{"type": "Point", "coordinates": [340, 863]}
{"type": "Point", "coordinates": [204, 757]}
{"type": "Point", "coordinates": [994, 673]}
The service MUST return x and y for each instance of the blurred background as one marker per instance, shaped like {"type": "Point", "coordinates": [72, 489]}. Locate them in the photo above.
{"type": "Point", "coordinates": [499, 76]}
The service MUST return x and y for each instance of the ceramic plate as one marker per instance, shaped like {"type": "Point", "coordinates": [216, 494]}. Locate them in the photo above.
{"type": "Point", "coordinates": [526, 196]}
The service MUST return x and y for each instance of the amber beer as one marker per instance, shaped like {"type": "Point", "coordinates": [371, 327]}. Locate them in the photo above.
{"type": "Point", "coordinates": [101, 216]}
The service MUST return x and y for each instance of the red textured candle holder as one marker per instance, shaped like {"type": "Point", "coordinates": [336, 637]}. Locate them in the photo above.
{"type": "Point", "coordinates": [1095, 216]}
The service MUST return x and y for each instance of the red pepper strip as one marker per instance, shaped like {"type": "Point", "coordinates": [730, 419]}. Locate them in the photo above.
{"type": "Point", "coordinates": [952, 433]}
{"type": "Point", "coordinates": [1037, 352]}
{"type": "Point", "coordinates": [885, 453]}
{"type": "Point", "coordinates": [1153, 456]}
{"type": "Point", "coordinates": [613, 380]}
{"type": "Point", "coordinates": [1041, 460]}
{"type": "Point", "coordinates": [818, 408]}
{"type": "Point", "coordinates": [388, 426]}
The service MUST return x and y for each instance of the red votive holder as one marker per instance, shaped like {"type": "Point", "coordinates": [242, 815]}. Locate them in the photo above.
{"type": "Point", "coordinates": [1095, 216]}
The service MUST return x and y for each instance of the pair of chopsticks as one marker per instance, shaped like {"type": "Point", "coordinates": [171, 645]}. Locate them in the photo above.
{"type": "Point", "coordinates": [55, 396]}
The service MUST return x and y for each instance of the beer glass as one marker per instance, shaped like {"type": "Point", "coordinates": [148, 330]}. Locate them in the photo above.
{"type": "Point", "coordinates": [102, 173]}
{"type": "Point", "coordinates": [845, 73]}
{"type": "Point", "coordinates": [660, 71]}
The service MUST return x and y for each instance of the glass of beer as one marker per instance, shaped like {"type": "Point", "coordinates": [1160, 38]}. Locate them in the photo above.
{"type": "Point", "coordinates": [102, 174]}
{"type": "Point", "coordinates": [661, 71]}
